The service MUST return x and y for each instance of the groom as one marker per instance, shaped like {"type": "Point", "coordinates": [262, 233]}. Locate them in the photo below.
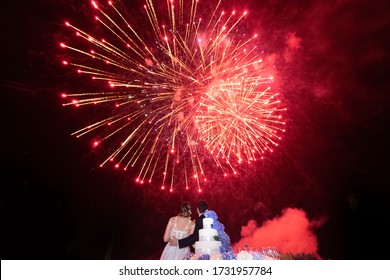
{"type": "Point", "coordinates": [191, 239]}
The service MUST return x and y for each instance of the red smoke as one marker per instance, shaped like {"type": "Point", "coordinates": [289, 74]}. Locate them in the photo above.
{"type": "Point", "coordinates": [292, 232]}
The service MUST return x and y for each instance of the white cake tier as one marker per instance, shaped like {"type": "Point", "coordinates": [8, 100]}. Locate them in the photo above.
{"type": "Point", "coordinates": [207, 222]}
{"type": "Point", "coordinates": [207, 247]}
{"type": "Point", "coordinates": [207, 234]}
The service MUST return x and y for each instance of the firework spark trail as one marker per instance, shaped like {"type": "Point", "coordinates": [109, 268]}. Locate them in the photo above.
{"type": "Point", "coordinates": [193, 93]}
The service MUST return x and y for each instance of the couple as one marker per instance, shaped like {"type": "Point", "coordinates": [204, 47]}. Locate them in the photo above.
{"type": "Point", "coordinates": [181, 232]}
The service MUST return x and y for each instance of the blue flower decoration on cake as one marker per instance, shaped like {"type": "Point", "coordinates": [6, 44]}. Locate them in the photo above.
{"type": "Point", "coordinates": [223, 237]}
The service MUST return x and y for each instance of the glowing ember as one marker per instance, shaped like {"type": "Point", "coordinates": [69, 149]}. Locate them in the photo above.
{"type": "Point", "coordinates": [193, 94]}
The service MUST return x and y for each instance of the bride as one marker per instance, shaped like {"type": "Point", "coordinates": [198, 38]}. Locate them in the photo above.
{"type": "Point", "coordinates": [178, 227]}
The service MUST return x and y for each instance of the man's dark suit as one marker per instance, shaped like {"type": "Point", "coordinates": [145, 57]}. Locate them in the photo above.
{"type": "Point", "coordinates": [191, 239]}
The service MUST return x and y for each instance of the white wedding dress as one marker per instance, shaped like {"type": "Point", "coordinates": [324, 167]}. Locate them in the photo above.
{"type": "Point", "coordinates": [174, 252]}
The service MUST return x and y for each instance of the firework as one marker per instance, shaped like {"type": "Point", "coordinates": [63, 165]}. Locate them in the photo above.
{"type": "Point", "coordinates": [187, 94]}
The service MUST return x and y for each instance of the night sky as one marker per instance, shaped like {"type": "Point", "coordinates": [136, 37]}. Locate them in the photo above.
{"type": "Point", "coordinates": [331, 63]}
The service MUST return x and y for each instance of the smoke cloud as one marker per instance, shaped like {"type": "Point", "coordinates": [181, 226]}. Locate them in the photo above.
{"type": "Point", "coordinates": [292, 232]}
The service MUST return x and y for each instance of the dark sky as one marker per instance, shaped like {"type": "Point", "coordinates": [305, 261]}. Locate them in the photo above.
{"type": "Point", "coordinates": [331, 63]}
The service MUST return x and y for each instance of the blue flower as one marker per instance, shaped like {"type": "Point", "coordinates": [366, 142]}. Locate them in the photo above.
{"type": "Point", "coordinates": [204, 257]}
{"type": "Point", "coordinates": [257, 256]}
{"type": "Point", "coordinates": [230, 255]}
{"type": "Point", "coordinates": [223, 237]}
{"type": "Point", "coordinates": [188, 256]}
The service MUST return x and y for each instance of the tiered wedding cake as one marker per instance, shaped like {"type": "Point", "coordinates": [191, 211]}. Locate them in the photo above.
{"type": "Point", "coordinates": [208, 239]}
